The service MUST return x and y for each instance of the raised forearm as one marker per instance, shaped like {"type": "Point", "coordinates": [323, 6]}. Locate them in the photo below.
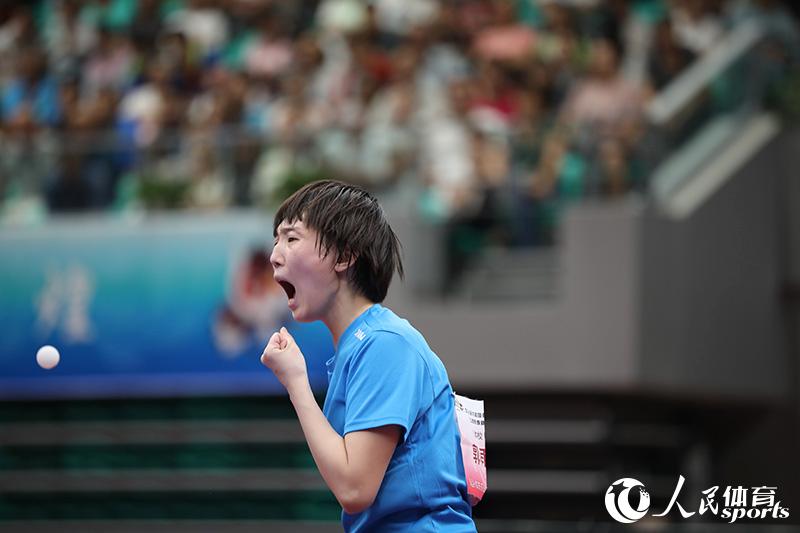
{"type": "Point", "coordinates": [328, 449]}
{"type": "Point", "coordinates": [353, 466]}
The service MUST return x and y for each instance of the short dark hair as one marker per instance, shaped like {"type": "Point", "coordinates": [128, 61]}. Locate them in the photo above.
{"type": "Point", "coordinates": [351, 222]}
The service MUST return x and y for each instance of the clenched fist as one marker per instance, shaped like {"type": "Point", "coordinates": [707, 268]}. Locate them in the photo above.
{"type": "Point", "coordinates": [284, 358]}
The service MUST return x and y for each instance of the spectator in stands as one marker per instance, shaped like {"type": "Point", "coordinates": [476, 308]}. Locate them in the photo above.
{"type": "Point", "coordinates": [610, 173]}
{"type": "Point", "coordinates": [492, 165]}
{"type": "Point", "coordinates": [560, 48]}
{"type": "Point", "coordinates": [184, 72]}
{"type": "Point", "coordinates": [387, 143]}
{"type": "Point", "coordinates": [112, 63]}
{"type": "Point", "coordinates": [17, 32]}
{"type": "Point", "coordinates": [269, 52]}
{"type": "Point", "coordinates": [66, 36]}
{"type": "Point", "coordinates": [204, 24]}
{"type": "Point", "coordinates": [603, 98]}
{"type": "Point", "coordinates": [30, 98]}
{"type": "Point", "coordinates": [529, 131]}
{"type": "Point", "coordinates": [447, 164]}
{"type": "Point", "coordinates": [29, 107]}
{"type": "Point", "coordinates": [144, 110]}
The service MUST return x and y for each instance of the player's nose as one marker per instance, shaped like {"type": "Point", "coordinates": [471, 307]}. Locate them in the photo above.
{"type": "Point", "coordinates": [276, 257]}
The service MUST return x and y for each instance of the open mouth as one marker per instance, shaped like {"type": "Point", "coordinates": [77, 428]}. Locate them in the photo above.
{"type": "Point", "coordinates": [288, 288]}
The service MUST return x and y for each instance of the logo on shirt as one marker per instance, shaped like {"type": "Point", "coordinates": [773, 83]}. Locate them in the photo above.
{"type": "Point", "coordinates": [359, 334]}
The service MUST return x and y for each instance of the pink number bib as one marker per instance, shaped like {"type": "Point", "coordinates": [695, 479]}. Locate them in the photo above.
{"type": "Point", "coordinates": [469, 414]}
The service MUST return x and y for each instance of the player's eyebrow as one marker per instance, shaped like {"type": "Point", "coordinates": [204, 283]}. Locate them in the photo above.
{"type": "Point", "coordinates": [283, 230]}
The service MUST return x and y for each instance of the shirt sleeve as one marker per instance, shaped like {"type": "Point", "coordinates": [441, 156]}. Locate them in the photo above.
{"type": "Point", "coordinates": [387, 385]}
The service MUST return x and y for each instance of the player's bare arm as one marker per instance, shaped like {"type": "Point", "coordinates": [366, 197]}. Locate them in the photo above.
{"type": "Point", "coordinates": [353, 466]}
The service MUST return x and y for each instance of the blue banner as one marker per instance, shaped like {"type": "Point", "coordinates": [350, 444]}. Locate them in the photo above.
{"type": "Point", "coordinates": [165, 305]}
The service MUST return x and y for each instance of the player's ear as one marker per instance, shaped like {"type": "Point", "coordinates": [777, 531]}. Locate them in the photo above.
{"type": "Point", "coordinates": [346, 260]}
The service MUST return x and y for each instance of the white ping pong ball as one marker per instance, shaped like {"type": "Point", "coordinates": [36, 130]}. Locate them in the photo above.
{"type": "Point", "coordinates": [48, 357]}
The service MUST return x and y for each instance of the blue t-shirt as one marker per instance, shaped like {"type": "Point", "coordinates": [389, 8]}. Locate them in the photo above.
{"type": "Point", "coordinates": [382, 373]}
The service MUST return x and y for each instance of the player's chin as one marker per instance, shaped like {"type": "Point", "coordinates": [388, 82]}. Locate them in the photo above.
{"type": "Point", "coordinates": [303, 314]}
{"type": "Point", "coordinates": [299, 316]}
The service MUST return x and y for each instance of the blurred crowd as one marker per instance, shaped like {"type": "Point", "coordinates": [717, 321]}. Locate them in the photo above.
{"type": "Point", "coordinates": [491, 110]}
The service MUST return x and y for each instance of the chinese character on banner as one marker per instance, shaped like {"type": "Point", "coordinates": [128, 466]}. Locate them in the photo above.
{"type": "Point", "coordinates": [763, 496]}
{"type": "Point", "coordinates": [735, 497]}
{"type": "Point", "coordinates": [63, 304]}
{"type": "Point", "coordinates": [674, 501]}
{"type": "Point", "coordinates": [707, 503]}
{"type": "Point", "coordinates": [478, 455]}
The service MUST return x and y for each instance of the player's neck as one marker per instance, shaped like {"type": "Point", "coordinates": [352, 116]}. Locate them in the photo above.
{"type": "Point", "coordinates": [344, 311]}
